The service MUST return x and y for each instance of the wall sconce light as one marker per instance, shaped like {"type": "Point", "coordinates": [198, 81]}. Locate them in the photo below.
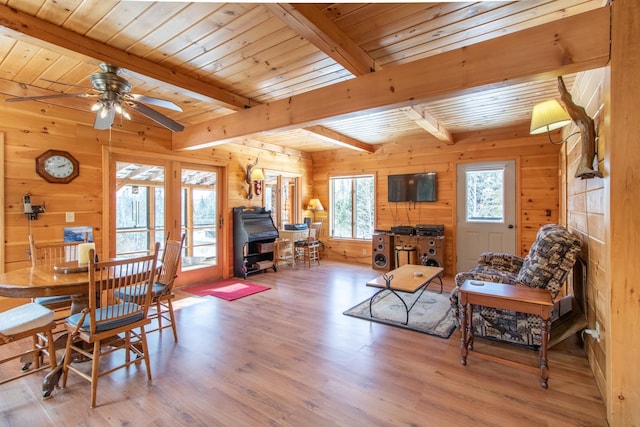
{"type": "Point", "coordinates": [549, 115]}
{"type": "Point", "coordinates": [314, 205]}
{"type": "Point", "coordinates": [249, 178]}
{"type": "Point", "coordinates": [257, 176]}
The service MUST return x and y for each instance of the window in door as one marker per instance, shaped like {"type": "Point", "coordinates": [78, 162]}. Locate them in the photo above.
{"type": "Point", "coordinates": [280, 197]}
{"type": "Point", "coordinates": [140, 215]}
{"type": "Point", "coordinates": [485, 195]}
{"type": "Point", "coordinates": [199, 214]}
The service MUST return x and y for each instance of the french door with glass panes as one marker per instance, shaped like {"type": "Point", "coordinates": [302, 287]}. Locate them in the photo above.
{"type": "Point", "coordinates": [154, 199]}
{"type": "Point", "coordinates": [281, 197]}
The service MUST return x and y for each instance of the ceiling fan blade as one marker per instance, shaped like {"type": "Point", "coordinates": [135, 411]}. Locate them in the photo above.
{"type": "Point", "coordinates": [155, 116]}
{"type": "Point", "coordinates": [154, 101]}
{"type": "Point", "coordinates": [42, 97]}
{"type": "Point", "coordinates": [64, 84]}
{"type": "Point", "coordinates": [104, 121]}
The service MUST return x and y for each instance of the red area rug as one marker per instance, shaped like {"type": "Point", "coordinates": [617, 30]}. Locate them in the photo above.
{"type": "Point", "coordinates": [228, 289]}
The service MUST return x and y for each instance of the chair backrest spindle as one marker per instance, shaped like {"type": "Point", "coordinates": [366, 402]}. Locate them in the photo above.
{"type": "Point", "coordinates": [53, 253]}
{"type": "Point", "coordinates": [170, 262]}
{"type": "Point", "coordinates": [107, 279]}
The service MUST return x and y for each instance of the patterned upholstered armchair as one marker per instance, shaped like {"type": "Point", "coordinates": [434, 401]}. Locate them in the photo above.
{"type": "Point", "coordinates": [547, 265]}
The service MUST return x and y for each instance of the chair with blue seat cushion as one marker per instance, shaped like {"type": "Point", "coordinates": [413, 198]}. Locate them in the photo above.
{"type": "Point", "coordinates": [50, 254]}
{"type": "Point", "coordinates": [162, 293]}
{"type": "Point", "coordinates": [547, 265]}
{"type": "Point", "coordinates": [27, 321]}
{"type": "Point", "coordinates": [109, 325]}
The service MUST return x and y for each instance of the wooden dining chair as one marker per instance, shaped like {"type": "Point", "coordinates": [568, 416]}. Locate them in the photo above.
{"type": "Point", "coordinates": [308, 250]}
{"type": "Point", "coordinates": [162, 294]}
{"type": "Point", "coordinates": [52, 254]}
{"type": "Point", "coordinates": [27, 321]}
{"type": "Point", "coordinates": [110, 325]}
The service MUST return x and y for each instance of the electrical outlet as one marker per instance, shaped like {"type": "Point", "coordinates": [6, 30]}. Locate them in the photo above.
{"type": "Point", "coordinates": [364, 252]}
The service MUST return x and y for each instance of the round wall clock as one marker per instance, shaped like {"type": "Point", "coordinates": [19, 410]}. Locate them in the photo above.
{"type": "Point", "coordinates": [58, 167]}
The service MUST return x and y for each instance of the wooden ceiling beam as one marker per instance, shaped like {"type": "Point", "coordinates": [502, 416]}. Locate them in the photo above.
{"type": "Point", "coordinates": [569, 45]}
{"type": "Point", "coordinates": [339, 139]}
{"type": "Point", "coordinates": [36, 31]}
{"type": "Point", "coordinates": [427, 122]}
{"type": "Point", "coordinates": [312, 24]}
{"type": "Point", "coordinates": [274, 148]}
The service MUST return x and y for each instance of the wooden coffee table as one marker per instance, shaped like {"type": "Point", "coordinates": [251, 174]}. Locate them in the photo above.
{"type": "Point", "coordinates": [407, 279]}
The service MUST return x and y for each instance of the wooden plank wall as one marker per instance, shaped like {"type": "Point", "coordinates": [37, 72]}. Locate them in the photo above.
{"type": "Point", "coordinates": [586, 207]}
{"type": "Point", "coordinates": [622, 157]}
{"type": "Point", "coordinates": [37, 127]}
{"type": "Point", "coordinates": [538, 185]}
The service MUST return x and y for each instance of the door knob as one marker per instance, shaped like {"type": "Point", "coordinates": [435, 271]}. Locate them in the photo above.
{"type": "Point", "coordinates": [510, 226]}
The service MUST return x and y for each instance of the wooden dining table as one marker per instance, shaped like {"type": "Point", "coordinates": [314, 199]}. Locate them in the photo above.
{"type": "Point", "coordinates": [46, 281]}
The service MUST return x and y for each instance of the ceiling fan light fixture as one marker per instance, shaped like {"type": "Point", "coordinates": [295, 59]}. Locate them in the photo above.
{"type": "Point", "coordinates": [104, 111]}
{"type": "Point", "coordinates": [96, 106]}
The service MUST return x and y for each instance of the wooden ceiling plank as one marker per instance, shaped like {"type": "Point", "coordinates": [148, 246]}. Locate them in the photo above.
{"type": "Point", "coordinates": [273, 61]}
{"type": "Point", "coordinates": [312, 24]}
{"type": "Point", "coordinates": [175, 52]}
{"type": "Point", "coordinates": [167, 27]}
{"type": "Point", "coordinates": [231, 59]}
{"type": "Point", "coordinates": [22, 25]}
{"type": "Point", "coordinates": [294, 79]}
{"type": "Point", "coordinates": [437, 41]}
{"type": "Point", "coordinates": [569, 45]}
{"type": "Point", "coordinates": [427, 122]}
{"type": "Point", "coordinates": [340, 139]}
{"type": "Point", "coordinates": [409, 21]}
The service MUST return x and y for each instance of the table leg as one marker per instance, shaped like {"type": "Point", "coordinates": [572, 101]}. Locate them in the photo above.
{"type": "Point", "coordinates": [470, 336]}
{"type": "Point", "coordinates": [439, 277]}
{"type": "Point", "coordinates": [463, 335]}
{"type": "Point", "coordinates": [396, 294]}
{"type": "Point", "coordinates": [544, 369]}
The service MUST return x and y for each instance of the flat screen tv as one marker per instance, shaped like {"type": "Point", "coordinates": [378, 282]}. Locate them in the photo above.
{"type": "Point", "coordinates": [415, 187]}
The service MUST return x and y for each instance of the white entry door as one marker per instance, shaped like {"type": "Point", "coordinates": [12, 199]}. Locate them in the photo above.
{"type": "Point", "coordinates": [486, 200]}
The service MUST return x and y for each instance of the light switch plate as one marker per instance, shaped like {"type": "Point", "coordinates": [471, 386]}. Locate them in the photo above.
{"type": "Point", "coordinates": [70, 217]}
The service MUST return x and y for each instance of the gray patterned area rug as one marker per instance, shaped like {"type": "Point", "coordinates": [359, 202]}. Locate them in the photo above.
{"type": "Point", "coordinates": [431, 315]}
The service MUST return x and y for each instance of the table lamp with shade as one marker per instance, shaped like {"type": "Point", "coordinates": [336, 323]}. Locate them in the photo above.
{"type": "Point", "coordinates": [314, 205]}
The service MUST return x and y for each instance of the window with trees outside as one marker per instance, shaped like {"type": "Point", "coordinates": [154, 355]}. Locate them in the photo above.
{"type": "Point", "coordinates": [485, 195]}
{"type": "Point", "coordinates": [352, 201]}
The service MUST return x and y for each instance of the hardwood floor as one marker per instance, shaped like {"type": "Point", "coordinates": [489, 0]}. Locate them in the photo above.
{"type": "Point", "coordinates": [289, 357]}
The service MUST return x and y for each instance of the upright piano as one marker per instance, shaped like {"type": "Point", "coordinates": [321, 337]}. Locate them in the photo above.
{"type": "Point", "coordinates": [254, 236]}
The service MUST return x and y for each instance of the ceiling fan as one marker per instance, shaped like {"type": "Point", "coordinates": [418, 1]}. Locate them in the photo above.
{"type": "Point", "coordinates": [113, 97]}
